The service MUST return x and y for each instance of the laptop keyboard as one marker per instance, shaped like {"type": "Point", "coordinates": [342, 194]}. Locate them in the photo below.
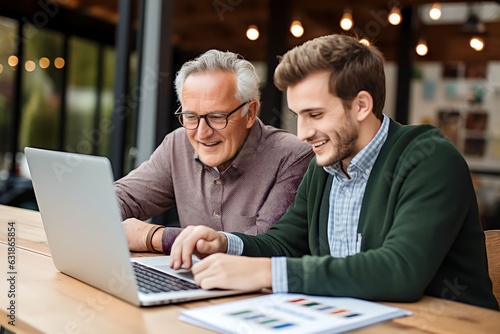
{"type": "Point", "coordinates": [154, 281]}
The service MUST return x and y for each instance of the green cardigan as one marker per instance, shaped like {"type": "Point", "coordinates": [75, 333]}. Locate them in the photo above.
{"type": "Point", "coordinates": [419, 223]}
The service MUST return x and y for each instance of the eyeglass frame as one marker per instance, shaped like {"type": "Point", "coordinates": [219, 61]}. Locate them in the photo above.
{"type": "Point", "coordinates": [179, 114]}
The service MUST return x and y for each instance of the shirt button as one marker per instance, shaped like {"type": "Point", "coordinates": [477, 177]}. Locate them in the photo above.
{"type": "Point", "coordinates": [216, 214]}
{"type": "Point", "coordinates": [218, 182]}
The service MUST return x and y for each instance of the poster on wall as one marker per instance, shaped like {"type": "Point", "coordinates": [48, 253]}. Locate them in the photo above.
{"type": "Point", "coordinates": [451, 70]}
{"type": "Point", "coordinates": [475, 70]}
{"type": "Point", "coordinates": [429, 91]}
{"type": "Point", "coordinates": [475, 147]}
{"type": "Point", "coordinates": [448, 122]}
{"type": "Point", "coordinates": [476, 120]}
{"type": "Point", "coordinates": [476, 124]}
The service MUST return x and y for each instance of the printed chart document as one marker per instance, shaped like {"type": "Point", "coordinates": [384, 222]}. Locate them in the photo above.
{"type": "Point", "coordinates": [291, 313]}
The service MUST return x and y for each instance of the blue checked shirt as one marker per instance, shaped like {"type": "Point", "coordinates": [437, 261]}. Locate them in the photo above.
{"type": "Point", "coordinates": [346, 196]}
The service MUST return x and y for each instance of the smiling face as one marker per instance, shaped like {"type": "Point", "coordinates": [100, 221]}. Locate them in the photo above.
{"type": "Point", "coordinates": [216, 92]}
{"type": "Point", "coordinates": [322, 120]}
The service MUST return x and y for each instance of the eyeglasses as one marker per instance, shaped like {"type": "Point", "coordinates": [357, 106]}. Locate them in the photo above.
{"type": "Point", "coordinates": [215, 120]}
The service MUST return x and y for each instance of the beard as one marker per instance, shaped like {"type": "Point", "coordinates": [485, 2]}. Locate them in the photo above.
{"type": "Point", "coordinates": [343, 142]}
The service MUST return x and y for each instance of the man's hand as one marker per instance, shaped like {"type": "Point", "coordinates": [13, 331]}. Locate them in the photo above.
{"type": "Point", "coordinates": [224, 271]}
{"type": "Point", "coordinates": [136, 231]}
{"type": "Point", "coordinates": [196, 240]}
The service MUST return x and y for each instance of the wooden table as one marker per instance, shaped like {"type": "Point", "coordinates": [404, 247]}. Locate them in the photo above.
{"type": "Point", "coordinates": [50, 302]}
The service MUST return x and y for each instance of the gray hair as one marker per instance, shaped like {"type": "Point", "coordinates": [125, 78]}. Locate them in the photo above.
{"type": "Point", "coordinates": [247, 81]}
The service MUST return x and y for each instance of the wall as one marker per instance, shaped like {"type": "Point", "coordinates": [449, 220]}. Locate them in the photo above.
{"type": "Point", "coordinates": [431, 92]}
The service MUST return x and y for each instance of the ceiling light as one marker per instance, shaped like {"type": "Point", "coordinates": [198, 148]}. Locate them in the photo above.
{"type": "Point", "coordinates": [346, 22]}
{"type": "Point", "coordinates": [435, 11]}
{"type": "Point", "coordinates": [59, 62]}
{"type": "Point", "coordinates": [296, 29]}
{"type": "Point", "coordinates": [364, 41]}
{"type": "Point", "coordinates": [30, 66]}
{"type": "Point", "coordinates": [12, 61]}
{"type": "Point", "coordinates": [422, 48]}
{"type": "Point", "coordinates": [477, 43]}
{"type": "Point", "coordinates": [252, 32]}
{"type": "Point", "coordinates": [44, 62]}
{"type": "Point", "coordinates": [394, 17]}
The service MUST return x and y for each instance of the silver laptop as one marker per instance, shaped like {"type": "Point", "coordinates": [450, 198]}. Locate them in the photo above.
{"type": "Point", "coordinates": [82, 221]}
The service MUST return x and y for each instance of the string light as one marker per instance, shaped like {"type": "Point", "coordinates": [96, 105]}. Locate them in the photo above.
{"type": "Point", "coordinates": [44, 62]}
{"type": "Point", "coordinates": [394, 17]}
{"type": "Point", "coordinates": [13, 61]}
{"type": "Point", "coordinates": [435, 11]}
{"type": "Point", "coordinates": [477, 43]}
{"type": "Point", "coordinates": [252, 32]}
{"type": "Point", "coordinates": [346, 22]}
{"type": "Point", "coordinates": [364, 41]}
{"type": "Point", "coordinates": [30, 66]}
{"type": "Point", "coordinates": [296, 29]}
{"type": "Point", "coordinates": [59, 62]}
{"type": "Point", "coordinates": [422, 48]}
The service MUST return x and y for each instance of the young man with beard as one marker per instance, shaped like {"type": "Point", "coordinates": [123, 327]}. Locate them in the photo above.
{"type": "Point", "coordinates": [385, 212]}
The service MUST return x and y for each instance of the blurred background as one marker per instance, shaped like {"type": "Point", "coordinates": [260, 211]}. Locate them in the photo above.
{"type": "Point", "coordinates": [95, 76]}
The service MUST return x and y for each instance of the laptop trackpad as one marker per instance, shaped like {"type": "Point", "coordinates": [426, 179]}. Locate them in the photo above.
{"type": "Point", "coordinates": [162, 263]}
{"type": "Point", "coordinates": [183, 273]}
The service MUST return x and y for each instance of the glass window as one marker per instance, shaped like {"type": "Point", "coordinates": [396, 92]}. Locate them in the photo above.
{"type": "Point", "coordinates": [82, 95]}
{"type": "Point", "coordinates": [132, 100]}
{"type": "Point", "coordinates": [107, 102]}
{"type": "Point", "coordinates": [8, 41]}
{"type": "Point", "coordinates": [41, 88]}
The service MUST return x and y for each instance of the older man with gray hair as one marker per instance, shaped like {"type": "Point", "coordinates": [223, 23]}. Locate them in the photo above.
{"type": "Point", "coordinates": [223, 169]}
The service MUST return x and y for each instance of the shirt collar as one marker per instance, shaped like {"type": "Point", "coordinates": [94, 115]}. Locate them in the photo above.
{"type": "Point", "coordinates": [364, 160]}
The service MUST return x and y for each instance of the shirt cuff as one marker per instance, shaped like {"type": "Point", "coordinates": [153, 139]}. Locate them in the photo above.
{"type": "Point", "coordinates": [279, 275]}
{"type": "Point", "coordinates": [168, 238]}
{"type": "Point", "coordinates": [234, 244]}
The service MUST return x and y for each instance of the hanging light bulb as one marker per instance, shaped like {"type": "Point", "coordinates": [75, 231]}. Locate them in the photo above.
{"type": "Point", "coordinates": [59, 62]}
{"type": "Point", "coordinates": [394, 17]}
{"type": "Point", "coordinates": [296, 29]}
{"type": "Point", "coordinates": [435, 11]}
{"type": "Point", "coordinates": [44, 62]}
{"type": "Point", "coordinates": [12, 61]}
{"type": "Point", "coordinates": [30, 66]}
{"type": "Point", "coordinates": [422, 48]}
{"type": "Point", "coordinates": [252, 32]}
{"type": "Point", "coordinates": [364, 41]}
{"type": "Point", "coordinates": [477, 43]}
{"type": "Point", "coordinates": [346, 22]}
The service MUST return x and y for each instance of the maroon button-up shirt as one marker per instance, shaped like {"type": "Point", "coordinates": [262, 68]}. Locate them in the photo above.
{"type": "Point", "coordinates": [249, 196]}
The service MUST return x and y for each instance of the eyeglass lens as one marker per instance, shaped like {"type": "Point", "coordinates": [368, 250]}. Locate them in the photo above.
{"type": "Point", "coordinates": [215, 121]}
